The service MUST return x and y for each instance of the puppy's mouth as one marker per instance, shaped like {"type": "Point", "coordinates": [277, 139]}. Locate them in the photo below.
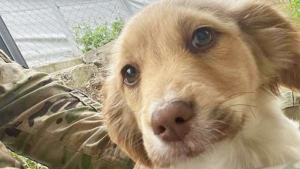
{"type": "Point", "coordinates": [172, 152]}
{"type": "Point", "coordinates": [203, 132]}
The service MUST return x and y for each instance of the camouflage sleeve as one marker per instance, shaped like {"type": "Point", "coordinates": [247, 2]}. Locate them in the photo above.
{"type": "Point", "coordinates": [51, 123]}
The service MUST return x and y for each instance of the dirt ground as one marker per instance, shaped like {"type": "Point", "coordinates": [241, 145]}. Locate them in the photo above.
{"type": "Point", "coordinates": [93, 87]}
{"type": "Point", "coordinates": [89, 76]}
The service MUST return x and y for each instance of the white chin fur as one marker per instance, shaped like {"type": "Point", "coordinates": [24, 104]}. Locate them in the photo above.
{"type": "Point", "coordinates": [267, 139]}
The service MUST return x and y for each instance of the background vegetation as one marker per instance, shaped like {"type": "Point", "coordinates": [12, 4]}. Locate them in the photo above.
{"type": "Point", "coordinates": [92, 38]}
{"type": "Point", "coordinates": [294, 8]}
{"type": "Point", "coordinates": [29, 164]}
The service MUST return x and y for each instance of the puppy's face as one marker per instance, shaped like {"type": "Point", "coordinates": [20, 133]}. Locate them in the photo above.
{"type": "Point", "coordinates": [184, 77]}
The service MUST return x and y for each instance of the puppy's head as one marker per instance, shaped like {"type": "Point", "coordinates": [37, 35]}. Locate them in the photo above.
{"type": "Point", "coordinates": [184, 74]}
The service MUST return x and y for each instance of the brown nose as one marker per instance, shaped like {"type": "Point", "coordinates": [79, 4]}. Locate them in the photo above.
{"type": "Point", "coordinates": [171, 122]}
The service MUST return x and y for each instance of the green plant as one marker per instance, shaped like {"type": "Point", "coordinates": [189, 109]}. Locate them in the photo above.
{"type": "Point", "coordinates": [294, 8]}
{"type": "Point", "coordinates": [91, 38]}
{"type": "Point", "coordinates": [29, 164]}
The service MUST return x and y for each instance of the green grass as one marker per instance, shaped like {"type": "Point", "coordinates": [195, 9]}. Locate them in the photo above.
{"type": "Point", "coordinates": [29, 164]}
{"type": "Point", "coordinates": [92, 38]}
{"type": "Point", "coordinates": [294, 8]}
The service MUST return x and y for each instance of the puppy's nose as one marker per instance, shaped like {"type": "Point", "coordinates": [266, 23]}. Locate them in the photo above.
{"type": "Point", "coordinates": [171, 122]}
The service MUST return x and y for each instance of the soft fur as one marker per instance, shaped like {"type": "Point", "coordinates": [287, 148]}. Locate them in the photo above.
{"type": "Point", "coordinates": [238, 122]}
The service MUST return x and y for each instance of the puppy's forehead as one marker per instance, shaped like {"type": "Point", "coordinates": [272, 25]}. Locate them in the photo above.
{"type": "Point", "coordinates": [166, 26]}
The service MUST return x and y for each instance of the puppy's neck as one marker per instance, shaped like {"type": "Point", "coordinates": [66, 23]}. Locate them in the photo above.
{"type": "Point", "coordinates": [267, 116]}
{"type": "Point", "coordinates": [268, 137]}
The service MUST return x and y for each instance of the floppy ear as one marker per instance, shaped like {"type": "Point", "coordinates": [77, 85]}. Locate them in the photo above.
{"type": "Point", "coordinates": [121, 123]}
{"type": "Point", "coordinates": [274, 41]}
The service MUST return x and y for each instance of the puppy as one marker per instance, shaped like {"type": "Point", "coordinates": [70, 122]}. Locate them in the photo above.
{"type": "Point", "coordinates": [193, 85]}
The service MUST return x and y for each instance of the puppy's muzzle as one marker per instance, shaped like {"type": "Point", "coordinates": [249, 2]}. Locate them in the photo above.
{"type": "Point", "coordinates": [171, 122]}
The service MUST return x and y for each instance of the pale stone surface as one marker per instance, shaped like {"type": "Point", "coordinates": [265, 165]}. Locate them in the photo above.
{"type": "Point", "coordinates": [88, 75]}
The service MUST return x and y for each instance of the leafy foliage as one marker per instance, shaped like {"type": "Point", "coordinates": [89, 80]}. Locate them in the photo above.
{"type": "Point", "coordinates": [29, 164]}
{"type": "Point", "coordinates": [91, 38]}
{"type": "Point", "coordinates": [294, 8]}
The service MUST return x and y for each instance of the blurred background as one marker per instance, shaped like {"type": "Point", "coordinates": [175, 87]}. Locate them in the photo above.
{"type": "Point", "coordinates": [49, 31]}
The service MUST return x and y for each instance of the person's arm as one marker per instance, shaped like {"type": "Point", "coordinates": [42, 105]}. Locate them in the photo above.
{"type": "Point", "coordinates": [48, 122]}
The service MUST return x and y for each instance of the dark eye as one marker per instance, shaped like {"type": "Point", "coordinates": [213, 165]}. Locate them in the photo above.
{"type": "Point", "coordinates": [131, 75]}
{"type": "Point", "coordinates": [202, 37]}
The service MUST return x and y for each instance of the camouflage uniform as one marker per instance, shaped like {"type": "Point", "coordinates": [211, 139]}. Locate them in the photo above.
{"type": "Point", "coordinates": [51, 123]}
{"type": "Point", "coordinates": [60, 127]}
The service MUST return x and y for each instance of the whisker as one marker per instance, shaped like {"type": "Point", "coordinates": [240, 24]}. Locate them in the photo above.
{"type": "Point", "coordinates": [219, 121]}
{"type": "Point", "coordinates": [235, 95]}
{"type": "Point", "coordinates": [269, 77]}
{"type": "Point", "coordinates": [211, 145]}
{"type": "Point", "coordinates": [132, 135]}
{"type": "Point", "coordinates": [136, 143]}
{"type": "Point", "coordinates": [243, 105]}
{"type": "Point", "coordinates": [219, 132]}
{"type": "Point", "coordinates": [229, 89]}
{"type": "Point", "coordinates": [252, 112]}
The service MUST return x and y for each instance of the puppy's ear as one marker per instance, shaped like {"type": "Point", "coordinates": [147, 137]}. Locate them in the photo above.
{"type": "Point", "coordinates": [274, 41]}
{"type": "Point", "coordinates": [121, 123]}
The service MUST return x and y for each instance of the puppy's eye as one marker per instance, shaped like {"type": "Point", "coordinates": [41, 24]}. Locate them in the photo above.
{"type": "Point", "coordinates": [202, 37]}
{"type": "Point", "coordinates": [131, 75]}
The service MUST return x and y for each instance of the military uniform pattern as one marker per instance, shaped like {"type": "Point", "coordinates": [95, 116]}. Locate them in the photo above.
{"type": "Point", "coordinates": [51, 123]}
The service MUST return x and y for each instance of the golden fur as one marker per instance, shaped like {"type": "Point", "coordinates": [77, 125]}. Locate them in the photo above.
{"type": "Point", "coordinates": [256, 47]}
